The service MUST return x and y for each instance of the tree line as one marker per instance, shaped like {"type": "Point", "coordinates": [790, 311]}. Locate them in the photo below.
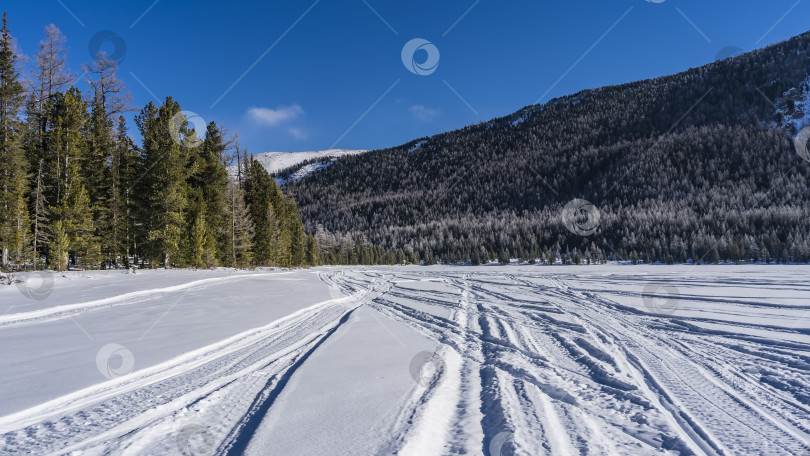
{"type": "Point", "coordinates": [77, 192]}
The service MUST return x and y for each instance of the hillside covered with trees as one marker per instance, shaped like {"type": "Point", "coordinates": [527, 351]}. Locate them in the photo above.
{"type": "Point", "coordinates": [76, 191]}
{"type": "Point", "coordinates": [699, 166]}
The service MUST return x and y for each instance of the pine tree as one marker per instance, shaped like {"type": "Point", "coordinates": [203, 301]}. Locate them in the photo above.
{"type": "Point", "coordinates": [66, 142]}
{"type": "Point", "coordinates": [210, 178]}
{"type": "Point", "coordinates": [312, 251]}
{"type": "Point", "coordinates": [241, 227]}
{"type": "Point", "coordinates": [97, 174]}
{"type": "Point", "coordinates": [125, 170]}
{"type": "Point", "coordinates": [196, 247]}
{"type": "Point", "coordinates": [14, 216]}
{"type": "Point", "coordinates": [59, 247]}
{"type": "Point", "coordinates": [164, 186]}
{"type": "Point", "coordinates": [297, 235]}
{"type": "Point", "coordinates": [49, 77]}
{"type": "Point", "coordinates": [41, 236]}
{"type": "Point", "coordinates": [74, 213]}
{"type": "Point", "coordinates": [20, 222]}
{"type": "Point", "coordinates": [279, 238]}
{"type": "Point", "coordinates": [271, 238]}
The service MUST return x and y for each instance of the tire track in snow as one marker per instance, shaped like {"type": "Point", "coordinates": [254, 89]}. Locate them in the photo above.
{"type": "Point", "coordinates": [237, 442]}
{"type": "Point", "coordinates": [722, 422]}
{"type": "Point", "coordinates": [134, 297]}
{"type": "Point", "coordinates": [133, 403]}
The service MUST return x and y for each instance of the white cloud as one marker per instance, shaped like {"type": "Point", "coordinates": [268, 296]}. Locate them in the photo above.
{"type": "Point", "coordinates": [423, 113]}
{"type": "Point", "coordinates": [270, 117]}
{"type": "Point", "coordinates": [297, 133]}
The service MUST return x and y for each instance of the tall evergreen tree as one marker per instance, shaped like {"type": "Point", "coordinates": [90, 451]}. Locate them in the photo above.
{"type": "Point", "coordinates": [164, 186]}
{"type": "Point", "coordinates": [241, 227]}
{"type": "Point", "coordinates": [66, 141]}
{"type": "Point", "coordinates": [50, 76]}
{"type": "Point", "coordinates": [14, 219]}
{"type": "Point", "coordinates": [298, 237]}
{"type": "Point", "coordinates": [76, 218]}
{"type": "Point", "coordinates": [210, 178]}
{"type": "Point", "coordinates": [312, 252]}
{"type": "Point", "coordinates": [258, 195]}
{"type": "Point", "coordinates": [41, 216]}
{"type": "Point", "coordinates": [97, 173]}
{"type": "Point", "coordinates": [58, 258]}
{"type": "Point", "coordinates": [125, 169]}
{"type": "Point", "coordinates": [195, 245]}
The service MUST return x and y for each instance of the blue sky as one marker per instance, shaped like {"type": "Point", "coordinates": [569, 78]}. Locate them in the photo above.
{"type": "Point", "coordinates": [306, 74]}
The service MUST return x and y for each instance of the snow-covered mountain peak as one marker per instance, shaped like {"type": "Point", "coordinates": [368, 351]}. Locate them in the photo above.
{"type": "Point", "coordinates": [274, 162]}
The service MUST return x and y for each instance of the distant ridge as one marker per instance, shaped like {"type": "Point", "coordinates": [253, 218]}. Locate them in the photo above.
{"type": "Point", "coordinates": [695, 166]}
{"type": "Point", "coordinates": [274, 162]}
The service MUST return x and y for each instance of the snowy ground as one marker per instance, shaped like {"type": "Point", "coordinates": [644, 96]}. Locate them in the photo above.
{"type": "Point", "coordinates": [409, 360]}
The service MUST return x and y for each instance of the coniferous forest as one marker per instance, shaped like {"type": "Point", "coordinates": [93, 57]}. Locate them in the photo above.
{"type": "Point", "coordinates": [77, 192]}
{"type": "Point", "coordinates": [697, 167]}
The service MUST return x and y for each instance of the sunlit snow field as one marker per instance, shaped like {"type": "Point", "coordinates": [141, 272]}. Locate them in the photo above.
{"type": "Point", "coordinates": [487, 360]}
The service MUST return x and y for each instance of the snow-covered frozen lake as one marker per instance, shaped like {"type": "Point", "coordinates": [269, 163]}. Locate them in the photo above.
{"type": "Point", "coordinates": [486, 360]}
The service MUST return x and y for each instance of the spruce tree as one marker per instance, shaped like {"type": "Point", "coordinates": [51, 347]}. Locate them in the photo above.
{"type": "Point", "coordinates": [164, 185]}
{"type": "Point", "coordinates": [76, 218]}
{"type": "Point", "coordinates": [14, 218]}
{"type": "Point", "coordinates": [60, 244]}
{"type": "Point", "coordinates": [241, 228]}
{"type": "Point", "coordinates": [41, 216]}
{"type": "Point", "coordinates": [210, 178]}
{"type": "Point", "coordinates": [97, 174]}
{"type": "Point", "coordinates": [66, 142]}
{"type": "Point", "coordinates": [312, 251]}
{"type": "Point", "coordinates": [125, 170]}
{"type": "Point", "coordinates": [49, 77]}
{"type": "Point", "coordinates": [297, 234]}
{"type": "Point", "coordinates": [196, 243]}
{"type": "Point", "coordinates": [271, 239]}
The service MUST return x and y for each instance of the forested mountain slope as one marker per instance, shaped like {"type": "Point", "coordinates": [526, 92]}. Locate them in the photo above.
{"type": "Point", "coordinates": [699, 165]}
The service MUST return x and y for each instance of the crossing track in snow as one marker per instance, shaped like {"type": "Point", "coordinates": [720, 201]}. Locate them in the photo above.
{"type": "Point", "coordinates": [142, 412]}
{"type": "Point", "coordinates": [529, 361]}
{"type": "Point", "coordinates": [561, 369]}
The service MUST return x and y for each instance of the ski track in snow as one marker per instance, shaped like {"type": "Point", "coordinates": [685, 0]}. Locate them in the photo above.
{"type": "Point", "coordinates": [531, 363]}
